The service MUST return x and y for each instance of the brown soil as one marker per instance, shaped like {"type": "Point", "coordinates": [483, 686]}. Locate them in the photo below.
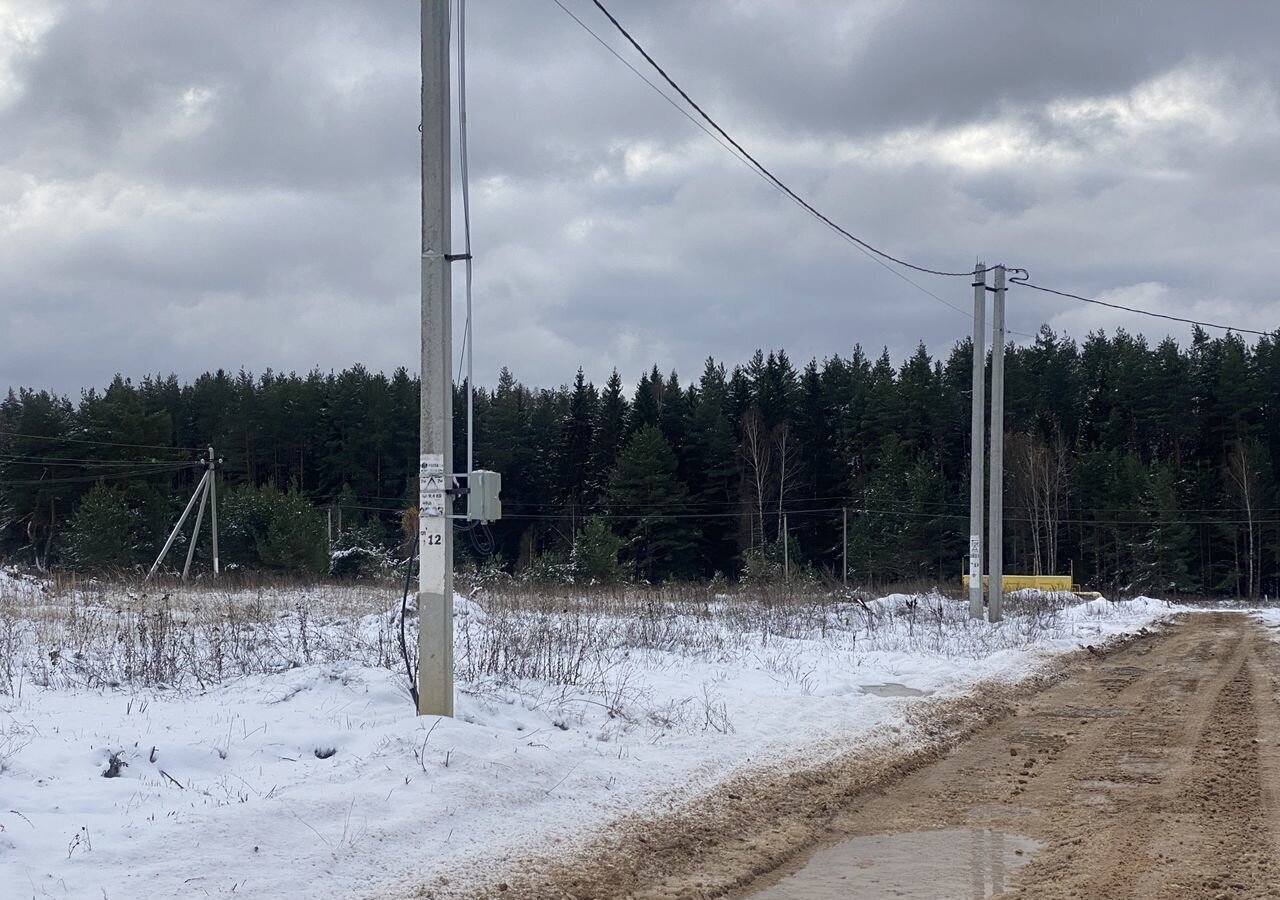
{"type": "Point", "coordinates": [1154, 775]}
{"type": "Point", "coordinates": [1149, 772]}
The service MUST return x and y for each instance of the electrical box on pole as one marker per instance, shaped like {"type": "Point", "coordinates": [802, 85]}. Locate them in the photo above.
{"type": "Point", "coordinates": [484, 496]}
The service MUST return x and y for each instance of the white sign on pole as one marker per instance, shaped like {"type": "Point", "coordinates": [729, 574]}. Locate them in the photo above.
{"type": "Point", "coordinates": [432, 523]}
{"type": "Point", "coordinates": [430, 487]}
{"type": "Point", "coordinates": [975, 556]}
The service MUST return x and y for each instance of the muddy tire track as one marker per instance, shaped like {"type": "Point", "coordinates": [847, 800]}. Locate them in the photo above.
{"type": "Point", "coordinates": [1153, 775]}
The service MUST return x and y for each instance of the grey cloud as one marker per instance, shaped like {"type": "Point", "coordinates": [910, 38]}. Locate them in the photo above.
{"type": "Point", "coordinates": [272, 220]}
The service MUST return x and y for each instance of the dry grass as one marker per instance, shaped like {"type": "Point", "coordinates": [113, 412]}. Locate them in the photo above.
{"type": "Point", "coordinates": [582, 642]}
{"type": "Point", "coordinates": [114, 633]}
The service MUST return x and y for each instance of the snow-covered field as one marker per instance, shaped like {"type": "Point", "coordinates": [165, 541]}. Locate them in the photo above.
{"type": "Point", "coordinates": [262, 743]}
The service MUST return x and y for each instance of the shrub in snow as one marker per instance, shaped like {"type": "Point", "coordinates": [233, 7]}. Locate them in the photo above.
{"type": "Point", "coordinates": [762, 565]}
{"type": "Point", "coordinates": [263, 526]}
{"type": "Point", "coordinates": [13, 737]}
{"type": "Point", "coordinates": [360, 553]}
{"type": "Point", "coordinates": [548, 568]}
{"type": "Point", "coordinates": [595, 554]}
{"type": "Point", "coordinates": [104, 532]}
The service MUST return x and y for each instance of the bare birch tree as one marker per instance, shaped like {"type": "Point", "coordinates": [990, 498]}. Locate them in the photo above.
{"type": "Point", "coordinates": [757, 453]}
{"type": "Point", "coordinates": [784, 448]}
{"type": "Point", "coordinates": [1040, 470]}
{"type": "Point", "coordinates": [1242, 475]}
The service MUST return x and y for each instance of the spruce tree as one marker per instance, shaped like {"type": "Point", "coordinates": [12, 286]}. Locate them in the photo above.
{"type": "Point", "coordinates": [1165, 553]}
{"type": "Point", "coordinates": [103, 533]}
{"type": "Point", "coordinates": [651, 505]}
{"type": "Point", "coordinates": [574, 449]}
{"type": "Point", "coordinates": [595, 553]}
{"type": "Point", "coordinates": [713, 473]}
{"type": "Point", "coordinates": [610, 433]}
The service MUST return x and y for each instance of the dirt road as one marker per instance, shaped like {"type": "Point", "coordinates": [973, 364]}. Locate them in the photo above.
{"type": "Point", "coordinates": [1150, 772]}
{"type": "Point", "coordinates": [1153, 775]}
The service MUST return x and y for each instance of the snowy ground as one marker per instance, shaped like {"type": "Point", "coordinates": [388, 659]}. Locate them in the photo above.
{"type": "Point", "coordinates": [264, 744]}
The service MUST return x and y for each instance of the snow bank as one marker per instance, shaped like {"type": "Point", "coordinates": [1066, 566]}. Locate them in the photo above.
{"type": "Point", "coordinates": [319, 780]}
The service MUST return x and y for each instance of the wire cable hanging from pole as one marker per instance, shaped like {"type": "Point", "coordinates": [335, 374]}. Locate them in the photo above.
{"type": "Point", "coordinates": [740, 153]}
{"type": "Point", "coordinates": [764, 169]}
{"type": "Point", "coordinates": [468, 334]}
{"type": "Point", "coordinates": [70, 439]}
{"type": "Point", "coordinates": [663, 94]}
{"type": "Point", "coordinates": [752, 167]}
{"type": "Point", "coordinates": [1022, 280]}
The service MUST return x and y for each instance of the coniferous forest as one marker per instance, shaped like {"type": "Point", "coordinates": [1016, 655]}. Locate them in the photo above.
{"type": "Point", "coordinates": [1137, 467]}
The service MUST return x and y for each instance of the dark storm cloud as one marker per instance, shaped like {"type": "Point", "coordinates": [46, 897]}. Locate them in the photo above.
{"type": "Point", "coordinates": [191, 185]}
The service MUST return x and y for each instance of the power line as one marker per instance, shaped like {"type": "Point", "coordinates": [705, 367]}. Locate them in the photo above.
{"type": "Point", "coordinates": [661, 93]}
{"type": "Point", "coordinates": [57, 438]}
{"type": "Point", "coordinates": [97, 476]}
{"type": "Point", "coordinates": [767, 177]}
{"type": "Point", "coordinates": [935, 508]}
{"type": "Point", "coordinates": [764, 169]}
{"type": "Point", "coordinates": [468, 337]}
{"type": "Point", "coordinates": [25, 460]}
{"type": "Point", "coordinates": [536, 513]}
{"type": "Point", "coordinates": [1142, 312]}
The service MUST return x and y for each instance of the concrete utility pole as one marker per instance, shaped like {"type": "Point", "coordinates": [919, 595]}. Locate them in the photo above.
{"type": "Point", "coordinates": [435, 478]}
{"type": "Point", "coordinates": [844, 530]}
{"type": "Point", "coordinates": [995, 537]}
{"type": "Point", "coordinates": [195, 532]}
{"type": "Point", "coordinates": [213, 508]}
{"type": "Point", "coordinates": [173, 535]}
{"type": "Point", "coordinates": [977, 442]}
{"type": "Point", "coordinates": [786, 549]}
{"type": "Point", "coordinates": [206, 489]}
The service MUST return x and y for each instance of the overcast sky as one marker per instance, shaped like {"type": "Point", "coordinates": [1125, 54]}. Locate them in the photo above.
{"type": "Point", "coordinates": [192, 185]}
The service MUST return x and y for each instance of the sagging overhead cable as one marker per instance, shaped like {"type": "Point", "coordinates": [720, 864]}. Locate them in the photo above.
{"type": "Point", "coordinates": [1022, 280]}
{"type": "Point", "coordinates": [764, 170]}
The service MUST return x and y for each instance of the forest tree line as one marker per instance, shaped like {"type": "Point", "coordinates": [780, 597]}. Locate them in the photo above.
{"type": "Point", "coordinates": [1137, 467]}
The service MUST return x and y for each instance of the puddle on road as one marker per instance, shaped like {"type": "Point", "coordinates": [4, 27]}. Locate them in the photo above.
{"type": "Point", "coordinates": [952, 864]}
{"type": "Point", "coordinates": [893, 689]}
